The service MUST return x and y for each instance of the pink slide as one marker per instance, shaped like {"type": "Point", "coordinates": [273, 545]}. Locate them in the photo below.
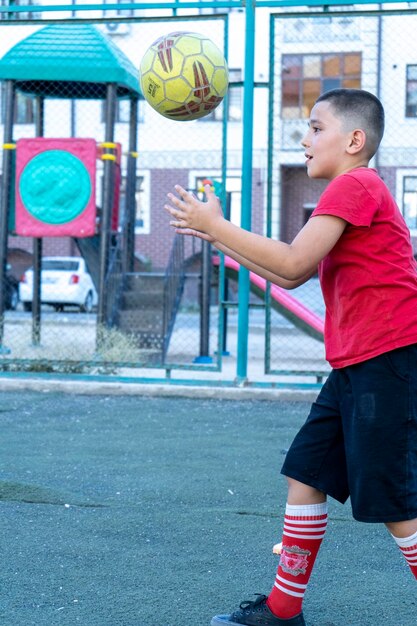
{"type": "Point", "coordinates": [284, 303]}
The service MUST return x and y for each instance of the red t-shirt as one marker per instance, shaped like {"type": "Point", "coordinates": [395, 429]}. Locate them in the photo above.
{"type": "Point", "coordinates": [369, 278]}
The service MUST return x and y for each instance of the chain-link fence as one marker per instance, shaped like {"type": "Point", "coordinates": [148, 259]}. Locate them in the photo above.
{"type": "Point", "coordinates": [85, 155]}
{"type": "Point", "coordinates": [312, 53]}
{"type": "Point", "coordinates": [137, 297]}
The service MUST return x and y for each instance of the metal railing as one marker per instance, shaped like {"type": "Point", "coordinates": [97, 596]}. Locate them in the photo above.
{"type": "Point", "coordinates": [174, 280]}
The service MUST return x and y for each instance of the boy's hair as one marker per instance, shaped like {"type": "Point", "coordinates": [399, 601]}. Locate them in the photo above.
{"type": "Point", "coordinates": [358, 109]}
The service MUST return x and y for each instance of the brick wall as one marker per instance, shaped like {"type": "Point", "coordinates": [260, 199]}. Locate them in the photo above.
{"type": "Point", "coordinates": [156, 246]}
{"type": "Point", "coordinates": [298, 190]}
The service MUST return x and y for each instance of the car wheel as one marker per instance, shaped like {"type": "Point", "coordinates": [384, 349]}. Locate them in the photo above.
{"type": "Point", "coordinates": [87, 307]}
{"type": "Point", "coordinates": [14, 299]}
{"type": "Point", "coordinates": [27, 306]}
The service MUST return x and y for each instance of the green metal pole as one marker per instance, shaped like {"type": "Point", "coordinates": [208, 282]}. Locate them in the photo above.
{"type": "Point", "coordinates": [246, 222]}
{"type": "Point", "coordinates": [267, 355]}
{"type": "Point", "coordinates": [222, 326]}
{"type": "Point", "coordinates": [9, 102]}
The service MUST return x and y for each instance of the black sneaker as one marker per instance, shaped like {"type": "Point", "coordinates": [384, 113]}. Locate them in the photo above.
{"type": "Point", "coordinates": [256, 613]}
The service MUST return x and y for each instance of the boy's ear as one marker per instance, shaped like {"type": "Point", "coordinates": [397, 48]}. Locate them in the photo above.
{"type": "Point", "coordinates": [357, 140]}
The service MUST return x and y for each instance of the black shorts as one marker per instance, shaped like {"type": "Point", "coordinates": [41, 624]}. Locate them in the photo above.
{"type": "Point", "coordinates": [360, 438]}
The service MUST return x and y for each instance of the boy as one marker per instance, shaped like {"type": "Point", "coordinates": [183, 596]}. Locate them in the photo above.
{"type": "Point", "coordinates": [360, 438]}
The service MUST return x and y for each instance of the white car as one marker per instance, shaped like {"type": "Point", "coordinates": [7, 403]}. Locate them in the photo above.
{"type": "Point", "coordinates": [65, 281]}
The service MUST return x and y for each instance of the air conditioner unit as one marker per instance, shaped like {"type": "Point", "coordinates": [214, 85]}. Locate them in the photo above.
{"type": "Point", "coordinates": [117, 28]}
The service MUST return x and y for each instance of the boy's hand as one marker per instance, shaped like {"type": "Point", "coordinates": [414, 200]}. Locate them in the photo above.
{"type": "Point", "coordinates": [195, 233]}
{"type": "Point", "coordinates": [192, 217]}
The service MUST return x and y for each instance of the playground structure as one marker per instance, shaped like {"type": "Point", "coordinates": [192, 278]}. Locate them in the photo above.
{"type": "Point", "coordinates": [54, 181]}
{"type": "Point", "coordinates": [287, 305]}
{"type": "Point", "coordinates": [47, 80]}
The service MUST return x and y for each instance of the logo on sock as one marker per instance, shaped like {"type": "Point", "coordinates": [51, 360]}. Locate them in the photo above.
{"type": "Point", "coordinates": [294, 560]}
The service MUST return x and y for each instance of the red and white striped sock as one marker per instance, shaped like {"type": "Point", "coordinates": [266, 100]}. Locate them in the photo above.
{"type": "Point", "coordinates": [304, 529]}
{"type": "Point", "coordinates": [408, 546]}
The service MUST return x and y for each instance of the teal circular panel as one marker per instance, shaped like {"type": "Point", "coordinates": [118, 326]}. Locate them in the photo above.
{"type": "Point", "coordinates": [55, 187]}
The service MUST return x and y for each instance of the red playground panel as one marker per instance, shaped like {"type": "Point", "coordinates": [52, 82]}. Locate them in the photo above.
{"type": "Point", "coordinates": [56, 187]}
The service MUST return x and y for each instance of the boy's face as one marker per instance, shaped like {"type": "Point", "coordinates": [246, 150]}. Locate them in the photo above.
{"type": "Point", "coordinates": [325, 143]}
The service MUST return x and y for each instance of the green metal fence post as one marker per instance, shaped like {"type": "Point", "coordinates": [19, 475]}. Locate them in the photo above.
{"type": "Point", "coordinates": [5, 198]}
{"type": "Point", "coordinates": [37, 243]}
{"type": "Point", "coordinates": [246, 222]}
{"type": "Point", "coordinates": [107, 205]}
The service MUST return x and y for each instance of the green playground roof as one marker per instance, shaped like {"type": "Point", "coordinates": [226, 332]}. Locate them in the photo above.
{"type": "Point", "coordinates": [69, 61]}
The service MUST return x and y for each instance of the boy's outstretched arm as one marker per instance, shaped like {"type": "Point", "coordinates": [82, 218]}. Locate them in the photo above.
{"type": "Point", "coordinates": [263, 273]}
{"type": "Point", "coordinates": [292, 262]}
{"type": "Point", "coordinates": [253, 267]}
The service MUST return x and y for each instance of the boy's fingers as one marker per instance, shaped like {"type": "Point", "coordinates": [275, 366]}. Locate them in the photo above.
{"type": "Point", "coordinates": [187, 196]}
{"type": "Point", "coordinates": [186, 231]}
{"type": "Point", "coordinates": [169, 209]}
{"type": "Point", "coordinates": [173, 199]}
{"type": "Point", "coordinates": [177, 202]}
{"type": "Point", "coordinates": [173, 211]}
{"type": "Point", "coordinates": [181, 191]}
{"type": "Point", "coordinates": [178, 222]}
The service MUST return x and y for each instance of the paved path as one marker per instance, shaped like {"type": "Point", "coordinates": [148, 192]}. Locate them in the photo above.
{"type": "Point", "coordinates": [123, 510]}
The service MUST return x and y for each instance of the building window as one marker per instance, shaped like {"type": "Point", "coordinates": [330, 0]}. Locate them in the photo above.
{"type": "Point", "coordinates": [24, 112]}
{"type": "Point", "coordinates": [235, 96]}
{"type": "Point", "coordinates": [142, 219]}
{"type": "Point", "coordinates": [411, 94]}
{"type": "Point", "coordinates": [142, 198]}
{"type": "Point", "coordinates": [122, 115]}
{"type": "Point", "coordinates": [24, 108]}
{"type": "Point", "coordinates": [20, 15]}
{"type": "Point", "coordinates": [233, 195]}
{"type": "Point", "coordinates": [142, 204]}
{"type": "Point", "coordinates": [409, 201]}
{"type": "Point", "coordinates": [308, 209]}
{"type": "Point", "coordinates": [306, 76]}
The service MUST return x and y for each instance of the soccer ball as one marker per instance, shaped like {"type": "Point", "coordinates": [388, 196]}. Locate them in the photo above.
{"type": "Point", "coordinates": [183, 76]}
